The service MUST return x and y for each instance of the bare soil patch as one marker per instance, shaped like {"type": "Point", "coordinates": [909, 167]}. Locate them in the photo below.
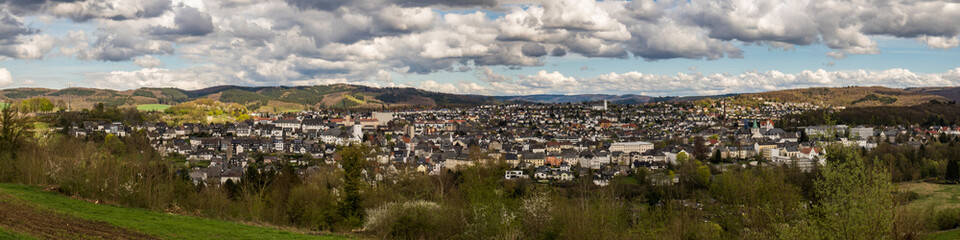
{"type": "Point", "coordinates": [46, 224]}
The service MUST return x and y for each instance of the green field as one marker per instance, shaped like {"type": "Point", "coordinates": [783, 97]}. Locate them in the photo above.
{"type": "Point", "coordinates": [6, 234]}
{"type": "Point", "coordinates": [931, 195]}
{"type": "Point", "coordinates": [946, 235]}
{"type": "Point", "coordinates": [152, 107]}
{"type": "Point", "coordinates": [162, 225]}
{"type": "Point", "coordinates": [936, 197]}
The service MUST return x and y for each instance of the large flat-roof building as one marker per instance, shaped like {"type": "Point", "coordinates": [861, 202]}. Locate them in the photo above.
{"type": "Point", "coordinates": [627, 147]}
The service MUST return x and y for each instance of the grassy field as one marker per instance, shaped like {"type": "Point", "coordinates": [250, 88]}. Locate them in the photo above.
{"type": "Point", "coordinates": [946, 235]}
{"type": "Point", "coordinates": [7, 234]}
{"type": "Point", "coordinates": [931, 195]}
{"type": "Point", "coordinates": [152, 107]}
{"type": "Point", "coordinates": [162, 225]}
{"type": "Point", "coordinates": [936, 197]}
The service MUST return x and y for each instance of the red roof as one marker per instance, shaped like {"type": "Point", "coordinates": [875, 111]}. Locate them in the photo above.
{"type": "Point", "coordinates": [808, 150]}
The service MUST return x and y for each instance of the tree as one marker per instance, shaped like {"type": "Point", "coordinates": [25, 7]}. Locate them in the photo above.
{"type": "Point", "coordinates": [13, 129]}
{"type": "Point", "coordinates": [759, 157]}
{"type": "Point", "coordinates": [803, 137]}
{"type": "Point", "coordinates": [716, 157]}
{"type": "Point", "coordinates": [37, 104]}
{"type": "Point", "coordinates": [856, 200]}
{"type": "Point", "coordinates": [953, 171]}
{"type": "Point", "coordinates": [353, 163]}
{"type": "Point", "coordinates": [682, 158]}
{"type": "Point", "coordinates": [700, 149]}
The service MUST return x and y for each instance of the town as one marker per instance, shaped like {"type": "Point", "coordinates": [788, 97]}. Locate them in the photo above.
{"type": "Point", "coordinates": [548, 143]}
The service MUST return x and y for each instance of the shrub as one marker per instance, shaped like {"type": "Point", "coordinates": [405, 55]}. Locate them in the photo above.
{"type": "Point", "coordinates": [407, 220]}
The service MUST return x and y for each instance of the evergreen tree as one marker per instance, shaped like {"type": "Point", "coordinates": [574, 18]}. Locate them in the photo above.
{"type": "Point", "coordinates": [353, 163]}
{"type": "Point", "coordinates": [953, 171]}
{"type": "Point", "coordinates": [716, 156]}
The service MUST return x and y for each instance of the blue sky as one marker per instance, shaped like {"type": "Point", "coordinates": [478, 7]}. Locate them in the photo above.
{"type": "Point", "coordinates": [482, 47]}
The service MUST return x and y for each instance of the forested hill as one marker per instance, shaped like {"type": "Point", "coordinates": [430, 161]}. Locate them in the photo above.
{"type": "Point", "coordinates": [851, 96]}
{"type": "Point", "coordinates": [933, 113]}
{"type": "Point", "coordinates": [321, 96]}
{"type": "Point", "coordinates": [363, 97]}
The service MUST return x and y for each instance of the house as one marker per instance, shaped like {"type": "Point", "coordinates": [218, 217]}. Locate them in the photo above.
{"type": "Point", "coordinates": [513, 174]}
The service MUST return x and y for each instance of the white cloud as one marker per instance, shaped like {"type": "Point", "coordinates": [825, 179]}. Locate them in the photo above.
{"type": "Point", "coordinates": [279, 42]}
{"type": "Point", "coordinates": [940, 42]}
{"type": "Point", "coordinates": [718, 83]}
{"type": "Point", "coordinates": [148, 62]}
{"type": "Point", "coordinates": [159, 77]}
{"type": "Point", "coordinates": [5, 78]}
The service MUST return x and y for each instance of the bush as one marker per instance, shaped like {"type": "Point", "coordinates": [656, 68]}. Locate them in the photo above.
{"type": "Point", "coordinates": [407, 220]}
{"type": "Point", "coordinates": [947, 219]}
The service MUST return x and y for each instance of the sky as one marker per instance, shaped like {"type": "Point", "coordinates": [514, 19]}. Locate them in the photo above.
{"type": "Point", "coordinates": [489, 47]}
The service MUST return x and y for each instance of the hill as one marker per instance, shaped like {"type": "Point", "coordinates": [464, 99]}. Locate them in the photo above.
{"type": "Point", "coordinates": [850, 96]}
{"type": "Point", "coordinates": [952, 93]}
{"type": "Point", "coordinates": [618, 99]}
{"type": "Point", "coordinates": [340, 96]}
{"type": "Point", "coordinates": [279, 98]}
{"type": "Point", "coordinates": [548, 98]}
{"type": "Point", "coordinates": [29, 212]}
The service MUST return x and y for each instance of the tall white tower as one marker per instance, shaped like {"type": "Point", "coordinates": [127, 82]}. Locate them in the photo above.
{"type": "Point", "coordinates": [604, 105]}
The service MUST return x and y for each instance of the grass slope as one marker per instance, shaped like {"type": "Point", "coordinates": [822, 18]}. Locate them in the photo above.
{"type": "Point", "coordinates": [6, 234]}
{"type": "Point", "coordinates": [152, 107]}
{"type": "Point", "coordinates": [937, 197]}
{"type": "Point", "coordinates": [158, 224]}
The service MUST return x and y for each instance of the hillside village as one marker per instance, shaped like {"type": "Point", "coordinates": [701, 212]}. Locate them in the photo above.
{"type": "Point", "coordinates": [549, 143]}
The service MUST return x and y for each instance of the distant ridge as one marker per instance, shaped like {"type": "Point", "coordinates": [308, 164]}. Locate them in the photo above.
{"type": "Point", "coordinates": [345, 96]}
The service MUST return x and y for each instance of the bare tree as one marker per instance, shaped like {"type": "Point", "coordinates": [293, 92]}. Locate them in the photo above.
{"type": "Point", "coordinates": [14, 127]}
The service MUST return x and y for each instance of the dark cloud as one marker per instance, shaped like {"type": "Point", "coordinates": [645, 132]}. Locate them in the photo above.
{"type": "Point", "coordinates": [333, 5]}
{"type": "Point", "coordinates": [558, 52]}
{"type": "Point", "coordinates": [448, 3]}
{"type": "Point", "coordinates": [28, 6]}
{"type": "Point", "coordinates": [125, 47]}
{"type": "Point", "coordinates": [189, 22]}
{"type": "Point", "coordinates": [323, 5]}
{"type": "Point", "coordinates": [11, 28]}
{"type": "Point", "coordinates": [250, 31]}
{"type": "Point", "coordinates": [533, 50]}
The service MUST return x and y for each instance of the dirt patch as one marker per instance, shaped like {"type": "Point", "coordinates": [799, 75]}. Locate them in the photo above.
{"type": "Point", "coordinates": [46, 224]}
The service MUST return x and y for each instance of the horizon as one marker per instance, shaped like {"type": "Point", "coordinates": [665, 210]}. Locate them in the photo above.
{"type": "Point", "coordinates": [484, 95]}
{"type": "Point", "coordinates": [490, 48]}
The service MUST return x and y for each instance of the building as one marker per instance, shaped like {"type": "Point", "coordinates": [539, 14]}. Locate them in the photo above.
{"type": "Point", "coordinates": [628, 147]}
{"type": "Point", "coordinates": [383, 117]}
{"type": "Point", "coordinates": [861, 132]}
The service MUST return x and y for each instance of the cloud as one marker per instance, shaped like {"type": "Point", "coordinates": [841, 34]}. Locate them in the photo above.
{"type": "Point", "coordinates": [486, 74]}
{"type": "Point", "coordinates": [5, 78]}
{"type": "Point", "coordinates": [558, 52]}
{"type": "Point", "coordinates": [940, 42]}
{"type": "Point", "coordinates": [284, 41]}
{"type": "Point", "coordinates": [11, 28]}
{"type": "Point", "coordinates": [533, 50]}
{"type": "Point", "coordinates": [148, 62]}
{"type": "Point", "coordinates": [837, 55]}
{"type": "Point", "coordinates": [189, 21]}
{"type": "Point", "coordinates": [159, 77]}
{"type": "Point", "coordinates": [717, 83]}
{"type": "Point", "coordinates": [82, 11]}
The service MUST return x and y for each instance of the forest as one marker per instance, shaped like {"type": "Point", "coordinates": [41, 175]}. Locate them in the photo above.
{"type": "Point", "coordinates": [933, 113]}
{"type": "Point", "coordinates": [854, 196]}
